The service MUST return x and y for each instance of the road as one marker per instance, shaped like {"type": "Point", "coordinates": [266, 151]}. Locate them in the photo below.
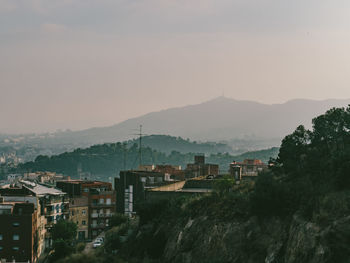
{"type": "Point", "coordinates": [89, 247]}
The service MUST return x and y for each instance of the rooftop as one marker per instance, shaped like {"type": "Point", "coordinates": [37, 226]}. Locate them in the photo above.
{"type": "Point", "coordinates": [41, 190]}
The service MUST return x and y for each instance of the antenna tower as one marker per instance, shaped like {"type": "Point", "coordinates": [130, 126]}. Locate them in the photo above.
{"type": "Point", "coordinates": [140, 134]}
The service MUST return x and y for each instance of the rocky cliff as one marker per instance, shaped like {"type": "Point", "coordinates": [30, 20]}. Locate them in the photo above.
{"type": "Point", "coordinates": [250, 239]}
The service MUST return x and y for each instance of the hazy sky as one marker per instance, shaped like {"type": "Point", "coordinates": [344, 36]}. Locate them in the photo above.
{"type": "Point", "coordinates": [81, 63]}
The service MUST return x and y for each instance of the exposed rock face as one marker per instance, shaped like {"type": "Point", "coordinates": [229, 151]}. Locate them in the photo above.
{"type": "Point", "coordinates": [271, 240]}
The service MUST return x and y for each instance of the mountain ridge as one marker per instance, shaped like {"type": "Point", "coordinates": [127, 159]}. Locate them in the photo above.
{"type": "Point", "coordinates": [218, 119]}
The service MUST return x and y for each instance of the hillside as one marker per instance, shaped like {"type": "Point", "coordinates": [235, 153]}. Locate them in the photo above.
{"type": "Point", "coordinates": [106, 160]}
{"type": "Point", "coordinates": [27, 149]}
{"type": "Point", "coordinates": [168, 144]}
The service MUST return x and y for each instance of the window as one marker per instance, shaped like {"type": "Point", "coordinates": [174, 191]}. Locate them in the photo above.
{"type": "Point", "coordinates": [15, 237]}
{"type": "Point", "coordinates": [1, 248]}
{"type": "Point", "coordinates": [15, 248]}
{"type": "Point", "coordinates": [86, 190]}
{"type": "Point", "coordinates": [102, 201]}
{"type": "Point", "coordinates": [72, 212]}
{"type": "Point", "coordinates": [108, 201]}
{"type": "Point", "coordinates": [84, 212]}
{"type": "Point", "coordinates": [83, 222]}
{"type": "Point", "coordinates": [15, 224]}
{"type": "Point", "coordinates": [0, 236]}
{"type": "Point", "coordinates": [94, 201]}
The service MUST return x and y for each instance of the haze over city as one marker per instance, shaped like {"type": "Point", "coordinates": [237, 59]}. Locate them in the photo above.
{"type": "Point", "coordinates": [73, 64]}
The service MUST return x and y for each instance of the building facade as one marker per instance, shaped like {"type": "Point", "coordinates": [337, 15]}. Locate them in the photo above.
{"type": "Point", "coordinates": [200, 168]}
{"type": "Point", "coordinates": [101, 202]}
{"type": "Point", "coordinates": [131, 185]}
{"type": "Point", "coordinates": [18, 232]}
{"type": "Point", "coordinates": [79, 214]}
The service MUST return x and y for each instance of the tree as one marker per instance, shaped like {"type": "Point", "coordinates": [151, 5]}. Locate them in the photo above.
{"type": "Point", "coordinates": [224, 185]}
{"type": "Point", "coordinates": [65, 230]}
{"type": "Point", "coordinates": [117, 219]}
{"type": "Point", "coordinates": [63, 234]}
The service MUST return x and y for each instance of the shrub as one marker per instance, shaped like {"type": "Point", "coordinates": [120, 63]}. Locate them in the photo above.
{"type": "Point", "coordinates": [80, 247]}
{"type": "Point", "coordinates": [117, 219]}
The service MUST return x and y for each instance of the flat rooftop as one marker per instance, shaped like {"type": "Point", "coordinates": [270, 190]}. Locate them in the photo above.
{"type": "Point", "coordinates": [41, 190]}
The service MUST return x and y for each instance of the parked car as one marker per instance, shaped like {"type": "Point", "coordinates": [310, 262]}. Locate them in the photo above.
{"type": "Point", "coordinates": [100, 239]}
{"type": "Point", "coordinates": [97, 244]}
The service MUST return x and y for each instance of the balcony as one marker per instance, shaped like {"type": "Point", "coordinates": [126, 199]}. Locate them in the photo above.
{"type": "Point", "coordinates": [101, 225]}
{"type": "Point", "coordinates": [103, 205]}
{"type": "Point", "coordinates": [104, 215]}
{"type": "Point", "coordinates": [94, 215]}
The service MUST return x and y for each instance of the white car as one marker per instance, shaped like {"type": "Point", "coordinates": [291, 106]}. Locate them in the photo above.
{"type": "Point", "coordinates": [99, 239]}
{"type": "Point", "coordinates": [97, 244]}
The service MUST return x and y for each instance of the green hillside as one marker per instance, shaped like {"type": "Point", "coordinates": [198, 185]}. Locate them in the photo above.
{"type": "Point", "coordinates": [106, 160]}
{"type": "Point", "coordinates": [168, 144]}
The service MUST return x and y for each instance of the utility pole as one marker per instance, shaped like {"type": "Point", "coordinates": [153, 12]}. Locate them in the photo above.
{"type": "Point", "coordinates": [140, 134]}
{"type": "Point", "coordinates": [140, 147]}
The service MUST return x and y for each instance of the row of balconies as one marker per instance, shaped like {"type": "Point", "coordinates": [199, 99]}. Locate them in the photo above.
{"type": "Point", "coordinates": [100, 215]}
{"type": "Point", "coordinates": [101, 225]}
{"type": "Point", "coordinates": [112, 204]}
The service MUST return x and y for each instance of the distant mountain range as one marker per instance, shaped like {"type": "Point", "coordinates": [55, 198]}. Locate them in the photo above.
{"type": "Point", "coordinates": [218, 119]}
{"type": "Point", "coordinates": [231, 121]}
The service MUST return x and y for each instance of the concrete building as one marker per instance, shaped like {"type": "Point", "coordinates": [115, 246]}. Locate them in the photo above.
{"type": "Point", "coordinates": [101, 202]}
{"type": "Point", "coordinates": [79, 214]}
{"type": "Point", "coordinates": [131, 186]}
{"type": "Point", "coordinates": [49, 178]}
{"type": "Point", "coordinates": [51, 205]}
{"type": "Point", "coordinates": [246, 169]}
{"type": "Point", "coordinates": [18, 232]}
{"type": "Point", "coordinates": [200, 168]}
{"type": "Point", "coordinates": [172, 172]}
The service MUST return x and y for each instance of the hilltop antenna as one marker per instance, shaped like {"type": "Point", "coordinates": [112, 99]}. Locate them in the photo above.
{"type": "Point", "coordinates": [140, 147]}
{"type": "Point", "coordinates": [140, 134]}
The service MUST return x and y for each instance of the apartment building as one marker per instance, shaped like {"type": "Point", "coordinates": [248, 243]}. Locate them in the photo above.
{"type": "Point", "coordinates": [249, 168]}
{"type": "Point", "coordinates": [18, 232]}
{"type": "Point", "coordinates": [101, 202]}
{"type": "Point", "coordinates": [131, 185]}
{"type": "Point", "coordinates": [201, 168]}
{"type": "Point", "coordinates": [51, 205]}
{"type": "Point", "coordinates": [79, 214]}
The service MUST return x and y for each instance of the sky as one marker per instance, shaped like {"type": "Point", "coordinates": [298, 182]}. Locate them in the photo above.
{"type": "Point", "coordinates": [75, 64]}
